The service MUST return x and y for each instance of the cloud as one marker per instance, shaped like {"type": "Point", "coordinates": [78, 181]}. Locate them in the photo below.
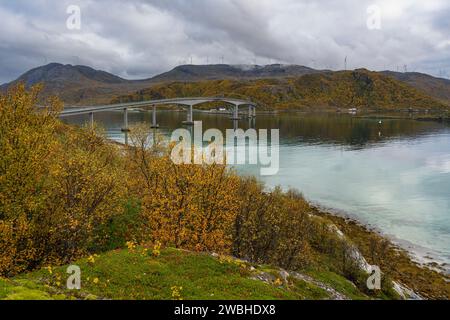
{"type": "Point", "coordinates": [137, 38]}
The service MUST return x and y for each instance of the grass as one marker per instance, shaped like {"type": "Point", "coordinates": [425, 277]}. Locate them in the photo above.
{"type": "Point", "coordinates": [339, 283]}
{"type": "Point", "coordinates": [137, 275]}
{"type": "Point", "coordinates": [25, 290]}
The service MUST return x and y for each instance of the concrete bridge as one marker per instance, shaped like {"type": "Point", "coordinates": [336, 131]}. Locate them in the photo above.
{"type": "Point", "coordinates": [188, 103]}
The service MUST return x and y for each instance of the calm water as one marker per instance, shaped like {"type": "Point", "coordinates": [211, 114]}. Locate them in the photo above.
{"type": "Point", "coordinates": [394, 176]}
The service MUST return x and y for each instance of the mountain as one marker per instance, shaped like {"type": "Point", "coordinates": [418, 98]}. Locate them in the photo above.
{"type": "Point", "coordinates": [82, 85]}
{"type": "Point", "coordinates": [55, 72]}
{"type": "Point", "coordinates": [224, 71]}
{"type": "Point", "coordinates": [360, 88]}
{"type": "Point", "coordinates": [77, 84]}
{"type": "Point", "coordinates": [438, 88]}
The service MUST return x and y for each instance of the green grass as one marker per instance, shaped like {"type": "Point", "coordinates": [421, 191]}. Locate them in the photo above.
{"type": "Point", "coordinates": [339, 283]}
{"type": "Point", "coordinates": [25, 290]}
{"type": "Point", "coordinates": [136, 274]}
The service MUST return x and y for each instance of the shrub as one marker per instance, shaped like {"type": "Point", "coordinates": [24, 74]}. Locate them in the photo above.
{"type": "Point", "coordinates": [185, 206]}
{"type": "Point", "coordinates": [58, 185]}
{"type": "Point", "coordinates": [272, 227]}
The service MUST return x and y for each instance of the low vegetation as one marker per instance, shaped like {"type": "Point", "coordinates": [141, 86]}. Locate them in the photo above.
{"type": "Point", "coordinates": [138, 273]}
{"type": "Point", "coordinates": [67, 194]}
{"type": "Point", "coordinates": [360, 89]}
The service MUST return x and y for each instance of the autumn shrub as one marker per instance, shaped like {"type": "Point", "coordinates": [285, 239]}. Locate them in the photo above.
{"type": "Point", "coordinates": [58, 185]}
{"type": "Point", "coordinates": [87, 190]}
{"type": "Point", "coordinates": [272, 227]}
{"type": "Point", "coordinates": [184, 206]}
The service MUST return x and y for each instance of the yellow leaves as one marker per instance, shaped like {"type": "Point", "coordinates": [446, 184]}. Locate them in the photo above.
{"type": "Point", "coordinates": [189, 206]}
{"type": "Point", "coordinates": [91, 258]}
{"type": "Point", "coordinates": [95, 280]}
{"type": "Point", "coordinates": [176, 293]}
{"type": "Point", "coordinates": [273, 227]}
{"type": "Point", "coordinates": [144, 252]}
{"type": "Point", "coordinates": [278, 282]}
{"type": "Point", "coordinates": [58, 280]}
{"type": "Point", "coordinates": [131, 245]}
{"type": "Point", "coordinates": [59, 184]}
{"type": "Point", "coordinates": [156, 249]}
{"type": "Point", "coordinates": [49, 270]}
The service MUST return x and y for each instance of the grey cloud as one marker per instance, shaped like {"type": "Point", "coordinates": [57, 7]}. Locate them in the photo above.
{"type": "Point", "coordinates": [137, 38]}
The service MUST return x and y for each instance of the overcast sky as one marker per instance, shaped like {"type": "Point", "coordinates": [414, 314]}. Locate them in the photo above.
{"type": "Point", "coordinates": [140, 38]}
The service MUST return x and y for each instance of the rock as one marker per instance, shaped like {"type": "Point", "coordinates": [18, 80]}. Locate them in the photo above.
{"type": "Point", "coordinates": [284, 275]}
{"type": "Point", "coordinates": [405, 292]}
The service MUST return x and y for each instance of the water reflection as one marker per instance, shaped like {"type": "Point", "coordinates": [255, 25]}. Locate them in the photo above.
{"type": "Point", "coordinates": [341, 129]}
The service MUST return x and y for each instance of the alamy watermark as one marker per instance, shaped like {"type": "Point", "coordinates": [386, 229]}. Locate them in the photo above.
{"type": "Point", "coordinates": [73, 22]}
{"type": "Point", "coordinates": [238, 147]}
{"type": "Point", "coordinates": [374, 17]}
{"type": "Point", "coordinates": [74, 279]}
{"type": "Point", "coordinates": [374, 280]}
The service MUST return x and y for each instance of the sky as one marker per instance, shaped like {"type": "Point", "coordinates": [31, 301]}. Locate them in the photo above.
{"type": "Point", "coordinates": [137, 39]}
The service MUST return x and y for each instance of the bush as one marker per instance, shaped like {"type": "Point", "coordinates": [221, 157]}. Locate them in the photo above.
{"type": "Point", "coordinates": [121, 228]}
{"type": "Point", "coordinates": [184, 206]}
{"type": "Point", "coordinates": [272, 227]}
{"type": "Point", "coordinates": [58, 185]}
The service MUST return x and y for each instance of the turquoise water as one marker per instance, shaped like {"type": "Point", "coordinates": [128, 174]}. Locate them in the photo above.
{"type": "Point", "coordinates": [393, 176]}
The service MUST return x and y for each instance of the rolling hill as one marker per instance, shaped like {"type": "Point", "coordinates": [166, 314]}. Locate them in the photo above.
{"type": "Point", "coordinates": [77, 84]}
{"type": "Point", "coordinates": [236, 72]}
{"type": "Point", "coordinates": [438, 88]}
{"type": "Point", "coordinates": [274, 86]}
{"type": "Point", "coordinates": [361, 88]}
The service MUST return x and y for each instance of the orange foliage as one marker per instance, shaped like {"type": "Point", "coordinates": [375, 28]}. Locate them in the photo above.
{"type": "Point", "coordinates": [189, 206]}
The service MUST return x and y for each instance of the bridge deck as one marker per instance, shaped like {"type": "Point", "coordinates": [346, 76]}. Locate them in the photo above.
{"type": "Point", "coordinates": [130, 105]}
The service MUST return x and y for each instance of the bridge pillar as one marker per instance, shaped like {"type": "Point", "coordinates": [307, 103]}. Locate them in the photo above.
{"type": "Point", "coordinates": [154, 123]}
{"type": "Point", "coordinates": [125, 120]}
{"type": "Point", "coordinates": [190, 117]}
{"type": "Point", "coordinates": [91, 120]}
{"type": "Point", "coordinates": [236, 112]}
{"type": "Point", "coordinates": [251, 111]}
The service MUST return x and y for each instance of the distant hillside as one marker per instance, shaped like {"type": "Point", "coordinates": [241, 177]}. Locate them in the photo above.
{"type": "Point", "coordinates": [280, 86]}
{"type": "Point", "coordinates": [82, 85]}
{"type": "Point", "coordinates": [438, 88]}
{"type": "Point", "coordinates": [345, 89]}
{"type": "Point", "coordinates": [224, 71]}
{"type": "Point", "coordinates": [77, 84]}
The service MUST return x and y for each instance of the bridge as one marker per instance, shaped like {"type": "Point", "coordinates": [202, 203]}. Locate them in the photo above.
{"type": "Point", "coordinates": [188, 103]}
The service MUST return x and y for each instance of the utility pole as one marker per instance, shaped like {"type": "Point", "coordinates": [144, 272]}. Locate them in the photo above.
{"type": "Point", "coordinates": [345, 63]}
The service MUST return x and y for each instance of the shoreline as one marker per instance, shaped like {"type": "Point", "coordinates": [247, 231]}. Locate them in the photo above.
{"type": "Point", "coordinates": [422, 256]}
{"type": "Point", "coordinates": [424, 279]}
